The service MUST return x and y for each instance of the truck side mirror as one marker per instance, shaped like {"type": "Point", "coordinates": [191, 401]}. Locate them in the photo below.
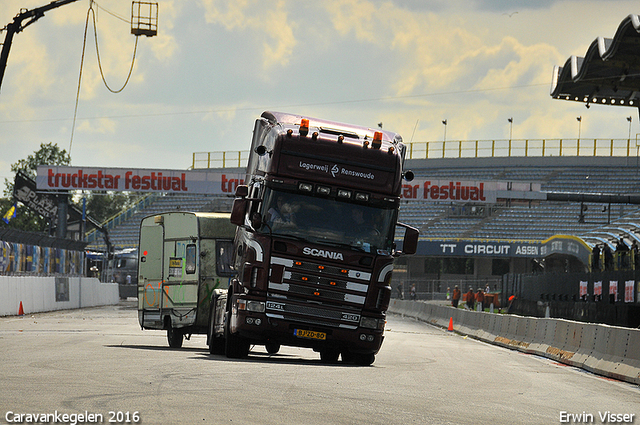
{"type": "Point", "coordinates": [239, 205]}
{"type": "Point", "coordinates": [410, 241]}
{"type": "Point", "coordinates": [238, 210]}
{"type": "Point", "coordinates": [242, 191]}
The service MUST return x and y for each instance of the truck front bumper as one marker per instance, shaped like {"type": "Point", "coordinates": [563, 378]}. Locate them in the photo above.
{"type": "Point", "coordinates": [262, 328]}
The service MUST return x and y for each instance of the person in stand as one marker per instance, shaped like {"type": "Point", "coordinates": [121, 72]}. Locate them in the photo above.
{"type": "Point", "coordinates": [400, 291]}
{"type": "Point", "coordinates": [622, 250]}
{"type": "Point", "coordinates": [448, 292]}
{"type": "Point", "coordinates": [480, 299]}
{"type": "Point", "coordinates": [595, 258]}
{"type": "Point", "coordinates": [456, 297]}
{"type": "Point", "coordinates": [413, 292]}
{"type": "Point", "coordinates": [94, 271]}
{"type": "Point", "coordinates": [608, 257]}
{"type": "Point", "coordinates": [471, 299]}
{"type": "Point", "coordinates": [634, 256]}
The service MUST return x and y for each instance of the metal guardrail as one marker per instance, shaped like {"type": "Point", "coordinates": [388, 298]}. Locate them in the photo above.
{"type": "Point", "coordinates": [230, 159]}
{"type": "Point", "coordinates": [522, 148]}
{"type": "Point", "coordinates": [466, 149]}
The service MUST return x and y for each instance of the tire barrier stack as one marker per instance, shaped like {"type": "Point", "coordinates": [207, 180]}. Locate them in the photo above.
{"type": "Point", "coordinates": [602, 349]}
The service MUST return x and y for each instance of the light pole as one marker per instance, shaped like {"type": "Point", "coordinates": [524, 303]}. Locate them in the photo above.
{"type": "Point", "coordinates": [579, 126]}
{"type": "Point", "coordinates": [444, 139]}
{"type": "Point", "coordinates": [510, 128]}
{"type": "Point", "coordinates": [629, 119]}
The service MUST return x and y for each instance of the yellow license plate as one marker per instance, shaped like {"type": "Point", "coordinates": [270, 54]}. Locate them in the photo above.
{"type": "Point", "coordinates": [301, 333]}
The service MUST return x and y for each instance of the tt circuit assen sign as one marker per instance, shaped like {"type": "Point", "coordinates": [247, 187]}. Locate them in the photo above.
{"type": "Point", "coordinates": [137, 180]}
{"type": "Point", "coordinates": [558, 244]}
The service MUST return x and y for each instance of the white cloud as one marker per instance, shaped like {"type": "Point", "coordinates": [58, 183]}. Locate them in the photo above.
{"type": "Point", "coordinates": [270, 22]}
{"type": "Point", "coordinates": [99, 126]}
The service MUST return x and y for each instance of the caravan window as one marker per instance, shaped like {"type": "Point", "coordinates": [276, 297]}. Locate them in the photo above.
{"type": "Point", "coordinates": [190, 266]}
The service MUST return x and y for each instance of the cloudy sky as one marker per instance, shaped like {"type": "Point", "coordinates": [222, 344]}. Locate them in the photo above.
{"type": "Point", "coordinates": [216, 65]}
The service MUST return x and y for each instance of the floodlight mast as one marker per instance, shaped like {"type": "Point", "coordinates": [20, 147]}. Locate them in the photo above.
{"type": "Point", "coordinates": [16, 26]}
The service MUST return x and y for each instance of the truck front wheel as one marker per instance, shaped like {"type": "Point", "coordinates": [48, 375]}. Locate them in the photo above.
{"type": "Point", "coordinates": [329, 355]}
{"type": "Point", "coordinates": [235, 346]}
{"type": "Point", "coordinates": [216, 343]}
{"type": "Point", "coordinates": [272, 348]}
{"type": "Point", "coordinates": [364, 359]}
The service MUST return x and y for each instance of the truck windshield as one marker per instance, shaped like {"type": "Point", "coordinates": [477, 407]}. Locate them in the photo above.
{"type": "Point", "coordinates": [328, 221]}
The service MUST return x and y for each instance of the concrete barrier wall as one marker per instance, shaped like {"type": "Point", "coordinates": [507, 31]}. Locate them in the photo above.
{"type": "Point", "coordinates": [49, 293]}
{"type": "Point", "coordinates": [606, 350]}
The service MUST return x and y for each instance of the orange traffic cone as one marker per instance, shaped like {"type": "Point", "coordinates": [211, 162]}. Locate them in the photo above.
{"type": "Point", "coordinates": [20, 310]}
{"type": "Point", "coordinates": [450, 329]}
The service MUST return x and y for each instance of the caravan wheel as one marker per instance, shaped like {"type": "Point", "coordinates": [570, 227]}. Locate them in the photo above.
{"type": "Point", "coordinates": [175, 337]}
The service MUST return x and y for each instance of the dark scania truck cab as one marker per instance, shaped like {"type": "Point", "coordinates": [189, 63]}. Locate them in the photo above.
{"type": "Point", "coordinates": [314, 246]}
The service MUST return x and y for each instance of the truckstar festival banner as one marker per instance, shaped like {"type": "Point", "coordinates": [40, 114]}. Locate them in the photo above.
{"type": "Point", "coordinates": [426, 189]}
{"type": "Point", "coordinates": [449, 190]}
{"type": "Point", "coordinates": [137, 180]}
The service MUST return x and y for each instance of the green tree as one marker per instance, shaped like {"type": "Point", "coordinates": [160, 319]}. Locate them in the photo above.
{"type": "Point", "coordinates": [48, 154]}
{"type": "Point", "coordinates": [103, 205]}
{"type": "Point", "coordinates": [25, 219]}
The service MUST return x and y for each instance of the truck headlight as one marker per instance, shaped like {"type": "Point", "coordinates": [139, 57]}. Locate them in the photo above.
{"type": "Point", "coordinates": [248, 305]}
{"type": "Point", "coordinates": [372, 323]}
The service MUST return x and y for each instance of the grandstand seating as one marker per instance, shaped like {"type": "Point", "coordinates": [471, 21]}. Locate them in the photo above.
{"type": "Point", "coordinates": [537, 220]}
{"type": "Point", "coordinates": [126, 234]}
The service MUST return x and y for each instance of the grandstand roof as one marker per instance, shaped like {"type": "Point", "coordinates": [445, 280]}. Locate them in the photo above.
{"type": "Point", "coordinates": [609, 73]}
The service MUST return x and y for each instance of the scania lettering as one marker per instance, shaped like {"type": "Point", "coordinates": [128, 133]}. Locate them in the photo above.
{"type": "Point", "coordinates": [322, 253]}
{"type": "Point", "coordinates": [184, 271]}
{"type": "Point", "coordinates": [315, 245]}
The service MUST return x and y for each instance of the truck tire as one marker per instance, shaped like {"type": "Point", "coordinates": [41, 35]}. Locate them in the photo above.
{"type": "Point", "coordinates": [235, 346]}
{"type": "Point", "coordinates": [272, 348]}
{"type": "Point", "coordinates": [364, 359]}
{"type": "Point", "coordinates": [347, 357]}
{"type": "Point", "coordinates": [329, 356]}
{"type": "Point", "coordinates": [174, 337]}
{"type": "Point", "coordinates": [216, 344]}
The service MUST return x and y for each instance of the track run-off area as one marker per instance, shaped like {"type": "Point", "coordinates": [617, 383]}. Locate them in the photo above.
{"type": "Point", "coordinates": [96, 365]}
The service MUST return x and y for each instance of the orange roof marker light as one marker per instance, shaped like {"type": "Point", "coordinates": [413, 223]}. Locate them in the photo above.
{"type": "Point", "coordinates": [377, 140]}
{"type": "Point", "coordinates": [304, 127]}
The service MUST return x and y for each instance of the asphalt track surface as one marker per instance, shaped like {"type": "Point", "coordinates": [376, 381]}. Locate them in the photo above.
{"type": "Point", "coordinates": [98, 361]}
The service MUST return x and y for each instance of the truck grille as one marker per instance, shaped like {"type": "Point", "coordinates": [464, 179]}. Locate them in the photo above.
{"type": "Point", "coordinates": [315, 293]}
